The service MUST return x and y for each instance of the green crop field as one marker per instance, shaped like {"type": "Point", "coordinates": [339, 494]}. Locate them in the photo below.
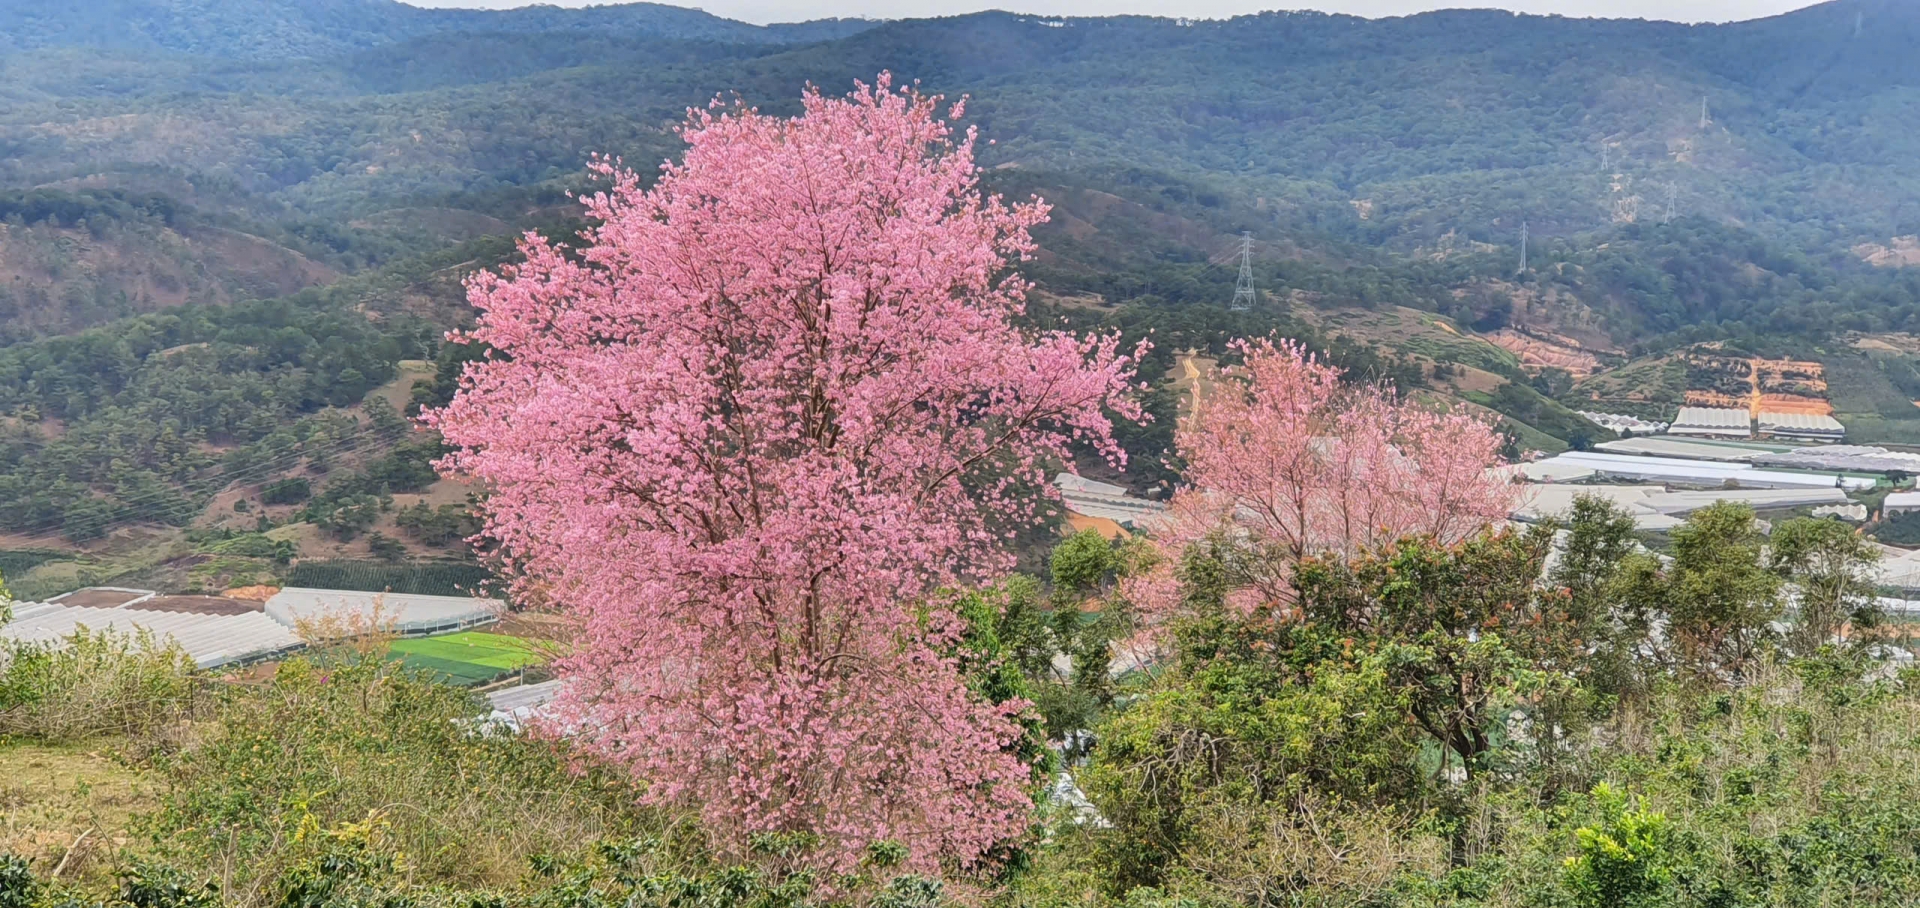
{"type": "Point", "coordinates": [467, 658]}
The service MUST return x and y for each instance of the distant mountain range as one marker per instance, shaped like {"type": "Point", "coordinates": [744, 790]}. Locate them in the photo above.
{"type": "Point", "coordinates": [278, 29]}
{"type": "Point", "coordinates": [1392, 132]}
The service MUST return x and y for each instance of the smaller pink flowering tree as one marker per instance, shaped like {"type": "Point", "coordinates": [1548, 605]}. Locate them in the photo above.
{"type": "Point", "coordinates": [1285, 462]}
{"type": "Point", "coordinates": [747, 430]}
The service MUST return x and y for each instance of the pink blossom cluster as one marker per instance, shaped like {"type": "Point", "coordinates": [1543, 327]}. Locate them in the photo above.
{"type": "Point", "coordinates": [1284, 460]}
{"type": "Point", "coordinates": [746, 428]}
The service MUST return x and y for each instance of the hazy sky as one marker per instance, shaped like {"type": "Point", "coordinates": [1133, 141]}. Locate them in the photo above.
{"type": "Point", "coordinates": [793, 10]}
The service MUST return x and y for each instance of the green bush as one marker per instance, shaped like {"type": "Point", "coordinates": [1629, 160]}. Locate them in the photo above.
{"type": "Point", "coordinates": [249, 545]}
{"type": "Point", "coordinates": [345, 740]}
{"type": "Point", "coordinates": [19, 561]}
{"type": "Point", "coordinates": [286, 491]}
{"type": "Point", "coordinates": [1624, 859]}
{"type": "Point", "coordinates": [91, 685]}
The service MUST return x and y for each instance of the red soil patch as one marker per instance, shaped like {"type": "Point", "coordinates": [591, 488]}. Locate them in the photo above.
{"type": "Point", "coordinates": [199, 605]}
{"type": "Point", "coordinates": [99, 598]}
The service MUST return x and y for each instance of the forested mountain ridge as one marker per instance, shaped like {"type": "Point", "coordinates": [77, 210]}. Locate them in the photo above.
{"type": "Point", "coordinates": [275, 29]}
{"type": "Point", "coordinates": [71, 259]}
{"type": "Point", "coordinates": [1393, 131]}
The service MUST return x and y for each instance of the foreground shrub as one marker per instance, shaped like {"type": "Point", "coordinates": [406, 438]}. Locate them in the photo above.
{"type": "Point", "coordinates": [1236, 785]}
{"type": "Point", "coordinates": [92, 685]}
{"type": "Point", "coordinates": [282, 768]}
{"type": "Point", "coordinates": [355, 866]}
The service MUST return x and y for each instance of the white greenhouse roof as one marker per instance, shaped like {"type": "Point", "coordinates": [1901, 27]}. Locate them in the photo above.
{"type": "Point", "coordinates": [1806, 422]}
{"type": "Point", "coordinates": [1618, 422]}
{"type": "Point", "coordinates": [1548, 471]}
{"type": "Point", "coordinates": [404, 613]}
{"type": "Point", "coordinates": [1655, 508]}
{"type": "Point", "coordinates": [1904, 501]}
{"type": "Point", "coordinates": [515, 706]}
{"type": "Point", "coordinates": [1712, 418]}
{"type": "Point", "coordinates": [1068, 482]}
{"type": "Point", "coordinates": [1702, 473]}
{"type": "Point", "coordinates": [1900, 568]}
{"type": "Point", "coordinates": [216, 631]}
{"type": "Point", "coordinates": [210, 640]}
{"type": "Point", "coordinates": [1856, 458]}
{"type": "Point", "coordinates": [1675, 447]}
{"type": "Point", "coordinates": [1098, 499]}
{"type": "Point", "coordinates": [1760, 499]}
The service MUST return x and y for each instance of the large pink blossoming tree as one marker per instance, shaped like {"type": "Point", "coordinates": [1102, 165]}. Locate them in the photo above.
{"type": "Point", "coordinates": [1285, 461]}
{"type": "Point", "coordinates": [747, 430]}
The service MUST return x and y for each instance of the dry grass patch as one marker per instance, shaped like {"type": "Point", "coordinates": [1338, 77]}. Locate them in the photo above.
{"type": "Point", "coordinates": [69, 804]}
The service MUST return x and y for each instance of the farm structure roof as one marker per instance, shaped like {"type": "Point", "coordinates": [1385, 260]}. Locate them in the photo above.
{"type": "Point", "coordinates": [210, 640]}
{"type": "Point", "coordinates": [1666, 446]}
{"type": "Point", "coordinates": [1656, 508]}
{"type": "Point", "coordinates": [1712, 421]}
{"type": "Point", "coordinates": [1619, 422]}
{"type": "Point", "coordinates": [1702, 473]}
{"type": "Point", "coordinates": [1545, 471]}
{"type": "Point", "coordinates": [1900, 569]}
{"type": "Point", "coordinates": [216, 631]}
{"type": "Point", "coordinates": [1089, 498]}
{"type": "Point", "coordinates": [1855, 458]}
{"type": "Point", "coordinates": [1801, 425]}
{"type": "Point", "coordinates": [514, 706]}
{"type": "Point", "coordinates": [1900, 502]}
{"type": "Point", "coordinates": [406, 614]}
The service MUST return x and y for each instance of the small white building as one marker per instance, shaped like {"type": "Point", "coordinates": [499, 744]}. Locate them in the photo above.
{"type": "Point", "coordinates": [1803, 426]}
{"type": "Point", "coordinates": [1712, 422]}
{"type": "Point", "coordinates": [1901, 503]}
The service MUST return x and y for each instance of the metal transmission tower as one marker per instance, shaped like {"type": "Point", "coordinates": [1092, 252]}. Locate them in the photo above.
{"type": "Point", "coordinates": [1243, 290]}
{"type": "Point", "coordinates": [1705, 120]}
{"type": "Point", "coordinates": [1673, 201]}
{"type": "Point", "coordinates": [1523, 248]}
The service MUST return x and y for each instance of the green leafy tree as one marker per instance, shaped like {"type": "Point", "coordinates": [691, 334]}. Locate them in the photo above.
{"type": "Point", "coordinates": [1717, 596]}
{"type": "Point", "coordinates": [386, 548]}
{"type": "Point", "coordinates": [1830, 569]}
{"type": "Point", "coordinates": [1463, 630]}
{"type": "Point", "coordinates": [1260, 720]}
{"type": "Point", "coordinates": [1600, 537]}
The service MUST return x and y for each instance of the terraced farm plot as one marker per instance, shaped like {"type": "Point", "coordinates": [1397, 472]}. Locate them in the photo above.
{"type": "Point", "coordinates": [1412, 332]}
{"type": "Point", "coordinates": [1537, 352]}
{"type": "Point", "coordinates": [467, 658]}
{"type": "Point", "coordinates": [1648, 388]}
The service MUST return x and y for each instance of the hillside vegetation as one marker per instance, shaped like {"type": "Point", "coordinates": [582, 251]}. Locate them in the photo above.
{"type": "Point", "coordinates": [819, 641]}
{"type": "Point", "coordinates": [166, 153]}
